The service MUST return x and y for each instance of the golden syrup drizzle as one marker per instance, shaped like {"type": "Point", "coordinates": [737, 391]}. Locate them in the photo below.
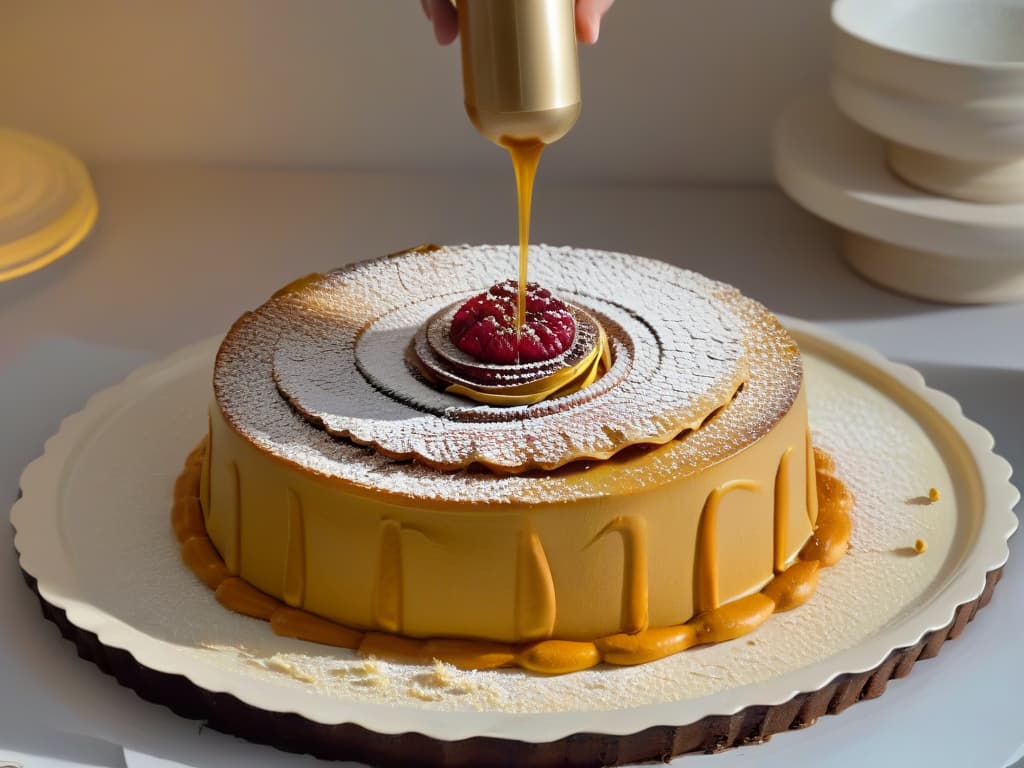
{"type": "Point", "coordinates": [233, 555]}
{"type": "Point", "coordinates": [823, 462]}
{"type": "Point", "coordinates": [295, 562]}
{"type": "Point", "coordinates": [647, 645]}
{"type": "Point", "coordinates": [391, 647]}
{"type": "Point", "coordinates": [187, 518]}
{"type": "Point", "coordinates": [794, 586]}
{"type": "Point", "coordinates": [706, 563]}
{"type": "Point", "coordinates": [535, 589]}
{"type": "Point", "coordinates": [292, 622]}
{"type": "Point", "coordinates": [787, 590]}
{"type": "Point", "coordinates": [831, 537]}
{"type": "Point", "coordinates": [729, 621]}
{"type": "Point", "coordinates": [780, 517]}
{"type": "Point", "coordinates": [471, 654]}
{"type": "Point", "coordinates": [558, 657]}
{"type": "Point", "coordinates": [202, 454]}
{"type": "Point", "coordinates": [812, 485]}
{"type": "Point", "coordinates": [202, 559]}
{"type": "Point", "coordinates": [387, 598]}
{"type": "Point", "coordinates": [633, 531]}
{"type": "Point", "coordinates": [240, 596]}
{"type": "Point", "coordinates": [525, 159]}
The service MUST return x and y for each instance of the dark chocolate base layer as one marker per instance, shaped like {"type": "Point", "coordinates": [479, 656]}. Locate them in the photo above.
{"type": "Point", "coordinates": [293, 733]}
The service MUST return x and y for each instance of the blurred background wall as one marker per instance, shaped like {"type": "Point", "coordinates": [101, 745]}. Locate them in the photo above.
{"type": "Point", "coordinates": [675, 91]}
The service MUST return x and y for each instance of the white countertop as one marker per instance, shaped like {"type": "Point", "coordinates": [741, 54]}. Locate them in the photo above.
{"type": "Point", "coordinates": [180, 252]}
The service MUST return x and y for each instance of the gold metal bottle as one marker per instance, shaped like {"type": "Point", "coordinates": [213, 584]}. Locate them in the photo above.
{"type": "Point", "coordinates": [520, 68]}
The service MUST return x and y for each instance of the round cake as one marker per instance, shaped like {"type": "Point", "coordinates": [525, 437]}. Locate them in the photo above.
{"type": "Point", "coordinates": [669, 498]}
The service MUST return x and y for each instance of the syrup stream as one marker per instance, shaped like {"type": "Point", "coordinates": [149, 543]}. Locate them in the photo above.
{"type": "Point", "coordinates": [525, 159]}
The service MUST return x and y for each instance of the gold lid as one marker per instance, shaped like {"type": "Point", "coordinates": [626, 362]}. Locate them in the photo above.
{"type": "Point", "coordinates": [520, 67]}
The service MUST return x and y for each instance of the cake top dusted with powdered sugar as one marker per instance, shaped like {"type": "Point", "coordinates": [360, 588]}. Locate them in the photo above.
{"type": "Point", "coordinates": [318, 377]}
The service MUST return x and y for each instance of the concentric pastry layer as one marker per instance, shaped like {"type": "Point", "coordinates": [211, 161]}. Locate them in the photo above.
{"type": "Point", "coordinates": [700, 502]}
{"type": "Point", "coordinates": [439, 361]}
{"type": "Point", "coordinates": [338, 345]}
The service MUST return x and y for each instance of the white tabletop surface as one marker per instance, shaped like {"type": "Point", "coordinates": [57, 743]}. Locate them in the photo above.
{"type": "Point", "coordinates": [180, 252]}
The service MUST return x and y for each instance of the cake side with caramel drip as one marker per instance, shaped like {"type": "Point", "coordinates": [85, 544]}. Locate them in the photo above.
{"type": "Point", "coordinates": [694, 508]}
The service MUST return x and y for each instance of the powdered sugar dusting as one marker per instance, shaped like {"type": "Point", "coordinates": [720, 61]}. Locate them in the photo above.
{"type": "Point", "coordinates": [379, 356]}
{"type": "Point", "coordinates": [683, 360]}
{"type": "Point", "coordinates": [730, 329]}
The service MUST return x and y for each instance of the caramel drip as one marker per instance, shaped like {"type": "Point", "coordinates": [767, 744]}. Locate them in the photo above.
{"type": "Point", "coordinates": [706, 561]}
{"type": "Point", "coordinates": [812, 486]}
{"type": "Point", "coordinates": [787, 590]}
{"type": "Point", "coordinates": [525, 159]}
{"type": "Point", "coordinates": [780, 515]}
{"type": "Point", "coordinates": [295, 564]}
{"type": "Point", "coordinates": [187, 484]}
{"type": "Point", "coordinates": [794, 586]}
{"type": "Point", "coordinates": [823, 462]}
{"type": "Point", "coordinates": [729, 621]}
{"type": "Point", "coordinates": [535, 589]}
{"type": "Point", "coordinates": [186, 512]}
{"type": "Point", "coordinates": [202, 559]}
{"type": "Point", "coordinates": [649, 645]}
{"type": "Point", "coordinates": [204, 464]}
{"type": "Point", "coordinates": [187, 519]}
{"type": "Point", "coordinates": [633, 531]}
{"type": "Point", "coordinates": [233, 552]}
{"type": "Point", "coordinates": [557, 657]}
{"type": "Point", "coordinates": [387, 596]}
{"type": "Point", "coordinates": [290, 622]}
{"type": "Point", "coordinates": [240, 596]}
{"type": "Point", "coordinates": [831, 537]}
{"type": "Point", "coordinates": [387, 646]}
{"type": "Point", "coordinates": [471, 654]}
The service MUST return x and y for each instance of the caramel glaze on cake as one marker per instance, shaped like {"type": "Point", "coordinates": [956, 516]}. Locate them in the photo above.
{"type": "Point", "coordinates": [658, 547]}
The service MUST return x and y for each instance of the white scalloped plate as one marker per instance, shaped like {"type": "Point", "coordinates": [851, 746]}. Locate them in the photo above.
{"type": "Point", "coordinates": [92, 527]}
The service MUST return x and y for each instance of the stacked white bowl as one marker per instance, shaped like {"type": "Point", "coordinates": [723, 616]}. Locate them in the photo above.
{"type": "Point", "coordinates": [919, 155]}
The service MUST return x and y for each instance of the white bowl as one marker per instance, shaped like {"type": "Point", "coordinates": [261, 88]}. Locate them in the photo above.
{"type": "Point", "coordinates": [943, 82]}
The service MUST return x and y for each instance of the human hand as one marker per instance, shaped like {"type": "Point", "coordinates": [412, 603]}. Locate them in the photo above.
{"type": "Point", "coordinates": [444, 17]}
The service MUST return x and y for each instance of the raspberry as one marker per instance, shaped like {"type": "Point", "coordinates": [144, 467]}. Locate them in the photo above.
{"type": "Point", "coordinates": [485, 326]}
